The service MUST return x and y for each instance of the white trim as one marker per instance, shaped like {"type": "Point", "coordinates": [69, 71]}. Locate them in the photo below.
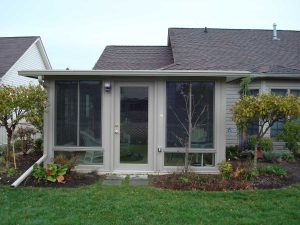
{"type": "Point", "coordinates": [136, 73]}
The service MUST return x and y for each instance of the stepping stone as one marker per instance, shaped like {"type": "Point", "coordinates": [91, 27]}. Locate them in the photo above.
{"type": "Point", "coordinates": [113, 180]}
{"type": "Point", "coordinates": [136, 182]}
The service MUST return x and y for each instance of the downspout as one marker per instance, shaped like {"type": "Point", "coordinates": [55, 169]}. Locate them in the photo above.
{"type": "Point", "coordinates": [27, 172]}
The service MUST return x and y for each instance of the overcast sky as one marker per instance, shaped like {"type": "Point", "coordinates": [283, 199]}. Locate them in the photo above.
{"type": "Point", "coordinates": [75, 33]}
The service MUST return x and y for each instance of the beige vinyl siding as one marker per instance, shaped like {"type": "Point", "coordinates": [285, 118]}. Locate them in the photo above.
{"type": "Point", "coordinates": [232, 95]}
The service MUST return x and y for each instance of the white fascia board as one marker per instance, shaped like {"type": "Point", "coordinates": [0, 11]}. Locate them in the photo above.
{"type": "Point", "coordinates": [279, 76]}
{"type": "Point", "coordinates": [136, 73]}
{"type": "Point", "coordinates": [43, 53]}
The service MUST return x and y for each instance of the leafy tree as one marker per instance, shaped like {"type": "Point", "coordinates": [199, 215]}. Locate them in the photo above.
{"type": "Point", "coordinates": [267, 109]}
{"type": "Point", "coordinates": [19, 103]}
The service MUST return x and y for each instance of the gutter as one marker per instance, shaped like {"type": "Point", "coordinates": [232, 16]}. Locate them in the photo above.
{"type": "Point", "coordinates": [27, 172]}
{"type": "Point", "coordinates": [135, 73]}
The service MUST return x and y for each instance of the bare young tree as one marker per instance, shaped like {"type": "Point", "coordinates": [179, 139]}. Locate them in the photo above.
{"type": "Point", "coordinates": [193, 119]}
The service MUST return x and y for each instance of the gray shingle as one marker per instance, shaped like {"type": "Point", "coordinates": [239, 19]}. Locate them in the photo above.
{"type": "Point", "coordinates": [218, 49]}
{"type": "Point", "coordinates": [11, 49]}
{"type": "Point", "coordinates": [134, 58]}
{"type": "Point", "coordinates": [235, 49]}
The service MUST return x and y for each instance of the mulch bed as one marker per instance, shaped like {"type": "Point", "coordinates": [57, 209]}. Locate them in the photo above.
{"type": "Point", "coordinates": [216, 183]}
{"type": "Point", "coordinates": [72, 179]}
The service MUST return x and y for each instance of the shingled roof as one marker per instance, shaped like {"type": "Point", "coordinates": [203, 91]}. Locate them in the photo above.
{"type": "Point", "coordinates": [11, 49]}
{"type": "Point", "coordinates": [134, 58]}
{"type": "Point", "coordinates": [216, 49]}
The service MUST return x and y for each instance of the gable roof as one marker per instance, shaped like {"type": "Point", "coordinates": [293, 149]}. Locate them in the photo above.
{"type": "Point", "coordinates": [216, 49]}
{"type": "Point", "coordinates": [134, 58]}
{"type": "Point", "coordinates": [11, 49]}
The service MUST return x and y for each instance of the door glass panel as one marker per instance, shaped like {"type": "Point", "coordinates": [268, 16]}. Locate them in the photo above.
{"type": "Point", "coordinates": [134, 125]}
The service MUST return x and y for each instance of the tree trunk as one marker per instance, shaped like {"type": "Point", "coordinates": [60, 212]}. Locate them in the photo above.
{"type": "Point", "coordinates": [255, 154]}
{"type": "Point", "coordinates": [188, 146]}
{"type": "Point", "coordinates": [8, 149]}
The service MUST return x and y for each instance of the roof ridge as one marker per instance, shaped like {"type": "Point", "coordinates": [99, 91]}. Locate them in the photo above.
{"type": "Point", "coordinates": [22, 37]}
{"type": "Point", "coordinates": [137, 46]}
{"type": "Point", "coordinates": [212, 28]}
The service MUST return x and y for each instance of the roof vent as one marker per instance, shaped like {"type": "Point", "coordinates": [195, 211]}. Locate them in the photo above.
{"type": "Point", "coordinates": [205, 29]}
{"type": "Point", "coordinates": [275, 32]}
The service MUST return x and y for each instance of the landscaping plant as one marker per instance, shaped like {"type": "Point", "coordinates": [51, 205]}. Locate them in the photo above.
{"type": "Point", "coordinates": [225, 169]}
{"type": "Point", "coordinates": [20, 103]}
{"type": "Point", "coordinates": [291, 136]}
{"type": "Point", "coordinates": [267, 109]}
{"type": "Point", "coordinates": [51, 173]}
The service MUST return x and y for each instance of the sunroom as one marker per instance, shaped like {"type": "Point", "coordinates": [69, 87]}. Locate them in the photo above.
{"type": "Point", "coordinates": [135, 121]}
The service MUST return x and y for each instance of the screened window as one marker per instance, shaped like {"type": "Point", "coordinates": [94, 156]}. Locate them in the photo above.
{"type": "Point", "coordinates": [78, 113]}
{"type": "Point", "coordinates": [278, 126]}
{"type": "Point", "coordinates": [202, 113]}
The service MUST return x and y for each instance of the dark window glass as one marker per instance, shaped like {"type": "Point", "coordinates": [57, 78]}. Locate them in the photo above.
{"type": "Point", "coordinates": [134, 125]}
{"type": "Point", "coordinates": [66, 113]}
{"type": "Point", "coordinates": [90, 113]}
{"type": "Point", "coordinates": [278, 126]}
{"type": "Point", "coordinates": [195, 159]}
{"type": "Point", "coordinates": [253, 128]}
{"type": "Point", "coordinates": [202, 113]}
{"type": "Point", "coordinates": [73, 127]}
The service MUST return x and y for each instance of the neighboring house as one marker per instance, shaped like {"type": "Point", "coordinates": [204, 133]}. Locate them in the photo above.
{"type": "Point", "coordinates": [125, 115]}
{"type": "Point", "coordinates": [20, 53]}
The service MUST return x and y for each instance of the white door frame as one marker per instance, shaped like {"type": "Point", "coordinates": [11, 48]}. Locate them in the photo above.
{"type": "Point", "coordinates": [116, 129]}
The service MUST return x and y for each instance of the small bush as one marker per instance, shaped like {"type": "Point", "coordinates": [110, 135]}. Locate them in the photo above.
{"type": "Point", "coordinates": [288, 156]}
{"type": "Point", "coordinates": [51, 173]}
{"type": "Point", "coordinates": [2, 149]}
{"type": "Point", "coordinates": [290, 135]}
{"type": "Point", "coordinates": [18, 145]}
{"type": "Point", "coordinates": [272, 169]}
{"type": "Point", "coordinates": [11, 172]}
{"type": "Point", "coordinates": [63, 160]}
{"type": "Point", "coordinates": [38, 145]}
{"type": "Point", "coordinates": [249, 173]}
{"type": "Point", "coordinates": [272, 156]}
{"type": "Point", "coordinates": [232, 152]}
{"type": "Point", "coordinates": [225, 169]}
{"type": "Point", "coordinates": [265, 144]}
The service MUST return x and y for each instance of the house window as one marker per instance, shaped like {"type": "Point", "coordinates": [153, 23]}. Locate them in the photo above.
{"type": "Point", "coordinates": [253, 128]}
{"type": "Point", "coordinates": [80, 157]}
{"type": "Point", "coordinates": [195, 159]}
{"type": "Point", "coordinates": [278, 126]}
{"type": "Point", "coordinates": [202, 113]}
{"type": "Point", "coordinates": [78, 113]}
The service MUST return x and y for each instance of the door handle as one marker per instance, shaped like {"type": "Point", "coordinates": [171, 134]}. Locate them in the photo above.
{"type": "Point", "coordinates": [116, 130]}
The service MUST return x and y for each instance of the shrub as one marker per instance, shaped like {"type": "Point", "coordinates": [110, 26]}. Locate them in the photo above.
{"type": "Point", "coordinates": [225, 169]}
{"type": "Point", "coordinates": [249, 173]}
{"type": "Point", "coordinates": [18, 145]}
{"type": "Point", "coordinates": [288, 156]}
{"type": "Point", "coordinates": [232, 152]}
{"type": "Point", "coordinates": [291, 136]}
{"type": "Point", "coordinates": [11, 172]}
{"type": "Point", "coordinates": [265, 144]}
{"type": "Point", "coordinates": [2, 149]}
{"type": "Point", "coordinates": [38, 145]}
{"type": "Point", "coordinates": [23, 138]}
{"type": "Point", "coordinates": [51, 173]}
{"type": "Point", "coordinates": [272, 156]}
{"type": "Point", "coordinates": [63, 160]}
{"type": "Point", "coordinates": [272, 169]}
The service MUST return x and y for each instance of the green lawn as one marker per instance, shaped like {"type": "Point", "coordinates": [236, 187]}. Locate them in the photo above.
{"type": "Point", "coordinates": [97, 204]}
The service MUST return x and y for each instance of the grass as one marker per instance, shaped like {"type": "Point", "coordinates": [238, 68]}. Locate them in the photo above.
{"type": "Point", "coordinates": [124, 204]}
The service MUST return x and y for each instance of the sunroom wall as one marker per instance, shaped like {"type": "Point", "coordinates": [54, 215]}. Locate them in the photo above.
{"type": "Point", "coordinates": [159, 126]}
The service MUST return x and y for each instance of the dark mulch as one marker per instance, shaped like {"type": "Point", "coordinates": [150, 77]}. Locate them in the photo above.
{"type": "Point", "coordinates": [177, 181]}
{"type": "Point", "coordinates": [216, 183]}
{"type": "Point", "coordinates": [23, 163]}
{"type": "Point", "coordinates": [72, 179]}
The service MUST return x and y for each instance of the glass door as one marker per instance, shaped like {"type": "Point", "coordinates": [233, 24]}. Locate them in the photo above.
{"type": "Point", "coordinates": [132, 126]}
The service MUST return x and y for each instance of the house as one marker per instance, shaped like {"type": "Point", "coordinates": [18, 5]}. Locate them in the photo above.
{"type": "Point", "coordinates": [20, 53]}
{"type": "Point", "coordinates": [128, 114]}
